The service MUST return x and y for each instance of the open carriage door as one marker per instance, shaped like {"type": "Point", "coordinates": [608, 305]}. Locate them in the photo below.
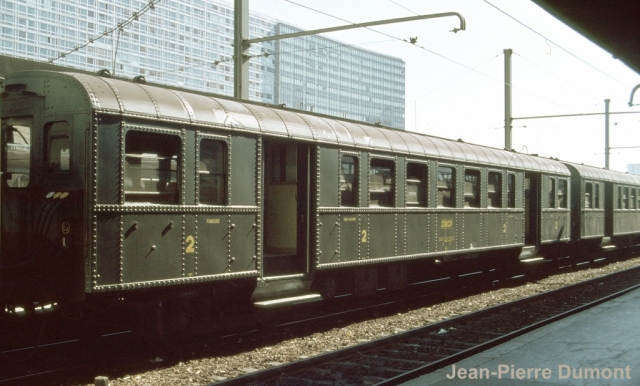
{"type": "Point", "coordinates": [286, 209]}
{"type": "Point", "coordinates": [532, 208]}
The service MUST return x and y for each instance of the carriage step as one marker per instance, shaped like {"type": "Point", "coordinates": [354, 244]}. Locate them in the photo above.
{"type": "Point", "coordinates": [288, 301]}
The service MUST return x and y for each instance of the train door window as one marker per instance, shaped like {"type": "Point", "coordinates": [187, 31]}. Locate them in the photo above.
{"type": "Point", "coordinates": [348, 181]}
{"type": "Point", "coordinates": [632, 198]}
{"type": "Point", "coordinates": [472, 188]}
{"type": "Point", "coordinates": [588, 195]}
{"type": "Point", "coordinates": [416, 189]}
{"type": "Point", "coordinates": [446, 187]}
{"type": "Point", "coordinates": [57, 146]}
{"type": "Point", "coordinates": [151, 167]}
{"type": "Point", "coordinates": [381, 183]}
{"type": "Point", "coordinates": [17, 137]}
{"type": "Point", "coordinates": [562, 194]}
{"type": "Point", "coordinates": [552, 193]}
{"type": "Point", "coordinates": [596, 196]}
{"type": "Point", "coordinates": [283, 164]}
{"type": "Point", "coordinates": [511, 191]}
{"type": "Point", "coordinates": [625, 198]}
{"type": "Point", "coordinates": [619, 197]}
{"type": "Point", "coordinates": [494, 190]}
{"type": "Point", "coordinates": [212, 172]}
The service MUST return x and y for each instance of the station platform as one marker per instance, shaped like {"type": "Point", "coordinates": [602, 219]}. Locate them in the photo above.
{"type": "Point", "coordinates": [599, 346]}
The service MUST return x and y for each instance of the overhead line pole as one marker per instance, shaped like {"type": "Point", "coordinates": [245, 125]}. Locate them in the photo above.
{"type": "Point", "coordinates": [242, 43]}
{"type": "Point", "coordinates": [508, 119]}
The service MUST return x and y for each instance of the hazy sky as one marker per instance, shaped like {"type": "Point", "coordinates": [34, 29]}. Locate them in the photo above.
{"type": "Point", "coordinates": [454, 81]}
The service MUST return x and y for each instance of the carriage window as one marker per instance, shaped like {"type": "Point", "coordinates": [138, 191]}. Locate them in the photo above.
{"type": "Point", "coordinates": [446, 187]}
{"type": "Point", "coordinates": [596, 196]}
{"type": "Point", "coordinates": [416, 185]}
{"type": "Point", "coordinates": [17, 135]}
{"type": "Point", "coordinates": [511, 191]}
{"type": "Point", "coordinates": [472, 188]}
{"type": "Point", "coordinates": [625, 198]}
{"type": "Point", "coordinates": [588, 195]}
{"type": "Point", "coordinates": [57, 146]}
{"type": "Point", "coordinates": [151, 167]}
{"type": "Point", "coordinates": [632, 198]}
{"type": "Point", "coordinates": [552, 193]}
{"type": "Point", "coordinates": [562, 194]}
{"type": "Point", "coordinates": [494, 190]}
{"type": "Point", "coordinates": [283, 164]}
{"type": "Point", "coordinates": [349, 181]}
{"type": "Point", "coordinates": [212, 172]}
{"type": "Point", "coordinates": [381, 182]}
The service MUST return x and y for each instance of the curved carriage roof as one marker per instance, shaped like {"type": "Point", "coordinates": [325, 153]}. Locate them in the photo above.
{"type": "Point", "coordinates": [127, 98]}
{"type": "Point", "coordinates": [594, 173]}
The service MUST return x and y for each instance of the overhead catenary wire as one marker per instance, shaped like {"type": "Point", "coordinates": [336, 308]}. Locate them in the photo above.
{"type": "Point", "coordinates": [120, 27]}
{"type": "Point", "coordinates": [556, 44]}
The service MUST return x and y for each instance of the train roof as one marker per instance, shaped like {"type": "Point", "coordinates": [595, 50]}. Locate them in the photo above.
{"type": "Point", "coordinates": [119, 96]}
{"type": "Point", "coordinates": [594, 173]}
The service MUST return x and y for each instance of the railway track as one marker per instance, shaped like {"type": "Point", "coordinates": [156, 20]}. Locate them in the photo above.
{"type": "Point", "coordinates": [407, 355]}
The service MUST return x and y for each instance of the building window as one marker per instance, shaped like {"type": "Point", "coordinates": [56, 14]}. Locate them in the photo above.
{"type": "Point", "coordinates": [511, 190]}
{"type": "Point", "coordinates": [57, 146]}
{"type": "Point", "coordinates": [416, 188]}
{"type": "Point", "coordinates": [212, 172]}
{"type": "Point", "coordinates": [552, 193]}
{"type": "Point", "coordinates": [381, 182]}
{"type": "Point", "coordinates": [17, 135]}
{"type": "Point", "coordinates": [446, 187]}
{"type": "Point", "coordinates": [151, 167]}
{"type": "Point", "coordinates": [494, 190]}
{"type": "Point", "coordinates": [471, 188]}
{"type": "Point", "coordinates": [562, 194]}
{"type": "Point", "coordinates": [349, 181]}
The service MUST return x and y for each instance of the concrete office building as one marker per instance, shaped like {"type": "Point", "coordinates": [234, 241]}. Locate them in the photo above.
{"type": "Point", "coordinates": [633, 169]}
{"type": "Point", "coordinates": [188, 43]}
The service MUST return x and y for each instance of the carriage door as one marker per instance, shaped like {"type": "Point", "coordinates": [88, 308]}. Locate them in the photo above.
{"type": "Point", "coordinates": [531, 208]}
{"type": "Point", "coordinates": [286, 208]}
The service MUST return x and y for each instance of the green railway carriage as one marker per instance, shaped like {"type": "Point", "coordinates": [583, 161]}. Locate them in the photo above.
{"type": "Point", "coordinates": [111, 186]}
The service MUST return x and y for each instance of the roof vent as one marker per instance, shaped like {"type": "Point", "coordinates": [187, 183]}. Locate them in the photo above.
{"type": "Point", "coordinates": [140, 79]}
{"type": "Point", "coordinates": [104, 72]}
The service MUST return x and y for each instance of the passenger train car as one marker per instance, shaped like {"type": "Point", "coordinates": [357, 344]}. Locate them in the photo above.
{"type": "Point", "coordinates": [112, 188]}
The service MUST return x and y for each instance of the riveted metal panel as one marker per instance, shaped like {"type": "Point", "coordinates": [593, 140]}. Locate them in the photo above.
{"type": "Point", "coordinates": [382, 237]}
{"type": "Point", "coordinates": [496, 228]}
{"type": "Point", "coordinates": [329, 237]}
{"type": "Point", "coordinates": [456, 151]}
{"type": "Point", "coordinates": [472, 223]}
{"type": "Point", "coordinates": [168, 104]}
{"type": "Point", "coordinates": [243, 167]}
{"type": "Point", "coordinates": [243, 243]}
{"type": "Point", "coordinates": [414, 145]}
{"type": "Point", "coordinates": [134, 99]}
{"type": "Point", "coordinates": [204, 110]}
{"type": "Point", "coordinates": [376, 137]}
{"type": "Point", "coordinates": [417, 233]}
{"type": "Point", "coordinates": [321, 130]}
{"type": "Point", "coordinates": [106, 261]}
{"type": "Point", "coordinates": [350, 237]}
{"type": "Point", "coordinates": [152, 247]}
{"type": "Point", "coordinates": [360, 136]}
{"type": "Point", "coordinates": [471, 153]}
{"type": "Point", "coordinates": [555, 225]}
{"type": "Point", "coordinates": [590, 172]}
{"type": "Point", "coordinates": [329, 176]}
{"type": "Point", "coordinates": [212, 243]}
{"type": "Point", "coordinates": [296, 125]}
{"type": "Point", "coordinates": [514, 222]}
{"type": "Point", "coordinates": [108, 164]}
{"type": "Point", "coordinates": [237, 115]}
{"type": "Point", "coordinates": [446, 235]}
{"type": "Point", "coordinates": [436, 147]}
{"type": "Point", "coordinates": [102, 94]}
{"type": "Point", "coordinates": [591, 223]}
{"type": "Point", "coordinates": [343, 135]}
{"type": "Point", "coordinates": [269, 121]}
{"type": "Point", "coordinates": [397, 141]}
{"type": "Point", "coordinates": [190, 240]}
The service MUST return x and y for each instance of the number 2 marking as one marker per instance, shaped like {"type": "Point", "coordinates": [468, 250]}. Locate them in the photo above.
{"type": "Point", "coordinates": [190, 244]}
{"type": "Point", "coordinates": [364, 236]}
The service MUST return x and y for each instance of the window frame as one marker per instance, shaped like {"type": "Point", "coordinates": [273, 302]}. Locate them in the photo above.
{"type": "Point", "coordinates": [552, 195]}
{"type": "Point", "coordinates": [137, 197]}
{"type": "Point", "coordinates": [389, 195]}
{"type": "Point", "coordinates": [476, 190]}
{"type": "Point", "coordinates": [422, 185]}
{"type": "Point", "coordinates": [225, 167]}
{"type": "Point", "coordinates": [11, 175]}
{"type": "Point", "coordinates": [451, 189]}
{"type": "Point", "coordinates": [588, 196]}
{"type": "Point", "coordinates": [499, 191]}
{"type": "Point", "coordinates": [46, 154]}
{"type": "Point", "coordinates": [511, 190]}
{"type": "Point", "coordinates": [355, 186]}
{"type": "Point", "coordinates": [562, 199]}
